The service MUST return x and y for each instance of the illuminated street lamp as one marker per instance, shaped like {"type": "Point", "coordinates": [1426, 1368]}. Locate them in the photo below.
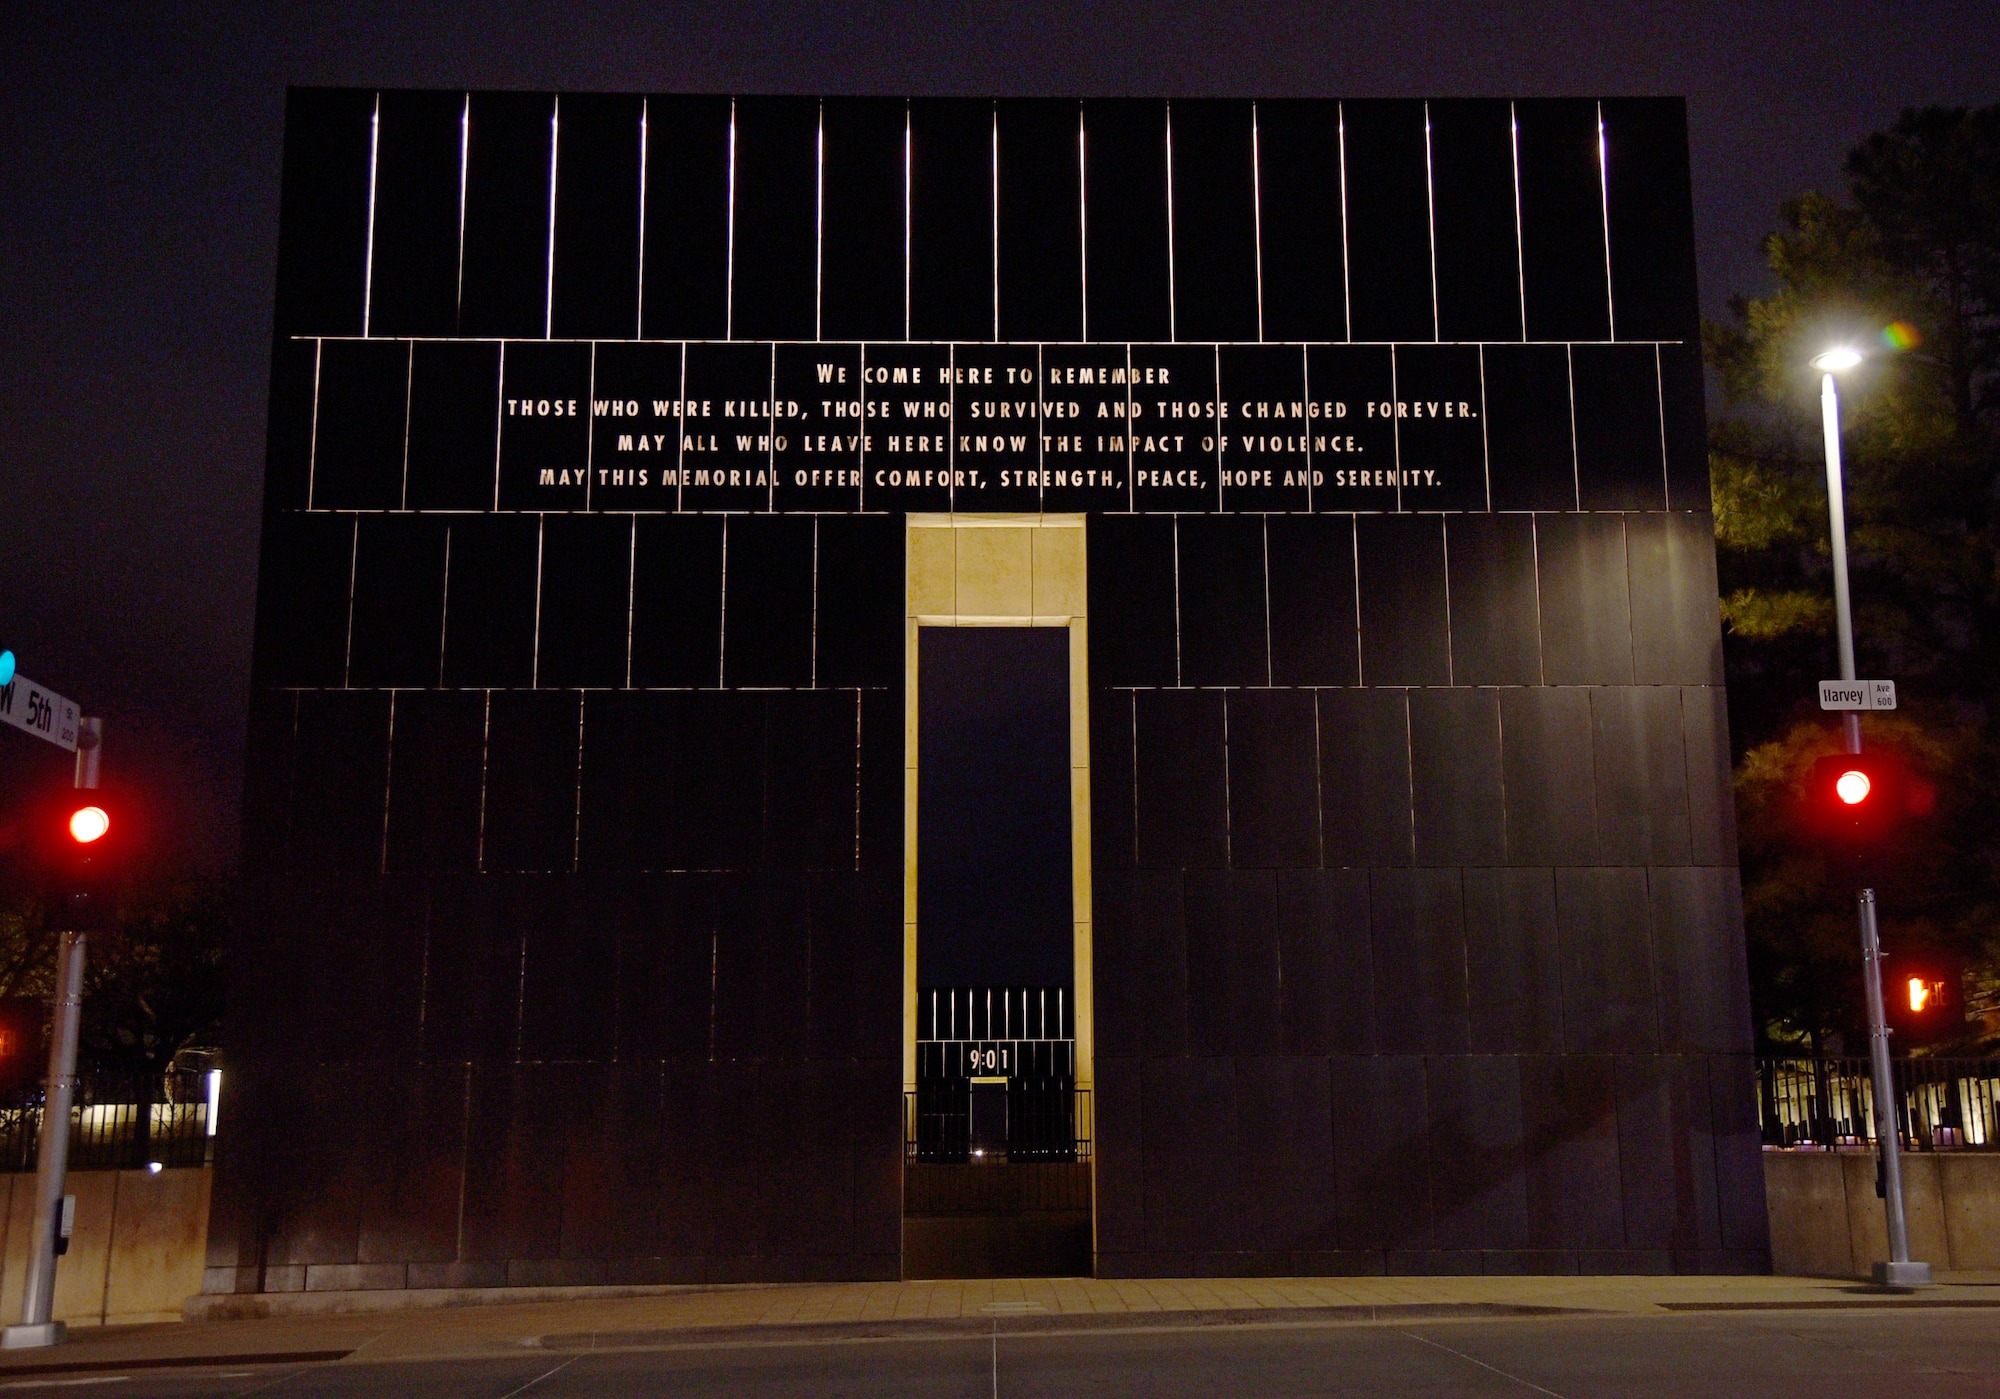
{"type": "Point", "coordinates": [1853, 788]}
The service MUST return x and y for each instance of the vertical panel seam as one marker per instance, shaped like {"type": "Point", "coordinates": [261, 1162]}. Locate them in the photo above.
{"type": "Point", "coordinates": [1257, 220]}
{"type": "Point", "coordinates": [409, 383]}
{"type": "Point", "coordinates": [1083, 227]}
{"type": "Point", "coordinates": [388, 783]}
{"type": "Point", "coordinates": [535, 660]}
{"type": "Point", "coordinates": [368, 253]}
{"type": "Point", "coordinates": [1604, 211]}
{"type": "Point", "coordinates": [631, 594]}
{"type": "Point", "coordinates": [996, 222]}
{"type": "Point", "coordinates": [1173, 322]}
{"type": "Point", "coordinates": [1575, 448]}
{"type": "Point", "coordinates": [499, 425]}
{"type": "Point", "coordinates": [464, 160]}
{"type": "Point", "coordinates": [819, 232]}
{"type": "Point", "coordinates": [729, 239]}
{"type": "Point", "coordinates": [645, 158]}
{"type": "Point", "coordinates": [312, 434]}
{"type": "Point", "coordinates": [1346, 280]}
{"type": "Point", "coordinates": [1430, 222]}
{"type": "Point", "coordinates": [353, 567]}
{"type": "Point", "coordinates": [576, 805]}
{"type": "Point", "coordinates": [444, 608]}
{"type": "Point", "coordinates": [1535, 558]}
{"type": "Point", "coordinates": [549, 286]}
{"type": "Point", "coordinates": [485, 755]}
{"type": "Point", "coordinates": [1520, 246]}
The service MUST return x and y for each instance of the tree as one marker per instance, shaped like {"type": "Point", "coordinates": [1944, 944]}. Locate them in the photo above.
{"type": "Point", "coordinates": [1908, 266]}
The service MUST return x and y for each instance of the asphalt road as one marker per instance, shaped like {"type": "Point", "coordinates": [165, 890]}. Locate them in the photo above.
{"type": "Point", "coordinates": [1937, 1353]}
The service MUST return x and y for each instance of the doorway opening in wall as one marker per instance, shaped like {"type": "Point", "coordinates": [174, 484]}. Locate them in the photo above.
{"type": "Point", "coordinates": [997, 1152]}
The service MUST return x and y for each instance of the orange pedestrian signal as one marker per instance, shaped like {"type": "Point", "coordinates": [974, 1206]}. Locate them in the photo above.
{"type": "Point", "coordinates": [88, 823]}
{"type": "Point", "coordinates": [1920, 993]}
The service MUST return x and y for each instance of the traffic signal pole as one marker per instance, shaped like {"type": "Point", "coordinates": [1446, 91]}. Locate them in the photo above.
{"type": "Point", "coordinates": [1899, 1271]}
{"type": "Point", "coordinates": [52, 1150]}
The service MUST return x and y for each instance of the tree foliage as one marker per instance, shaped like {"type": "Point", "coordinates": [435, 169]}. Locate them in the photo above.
{"type": "Point", "coordinates": [1906, 268]}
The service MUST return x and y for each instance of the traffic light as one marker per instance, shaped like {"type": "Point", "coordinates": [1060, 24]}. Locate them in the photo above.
{"type": "Point", "coordinates": [84, 837]}
{"type": "Point", "coordinates": [1857, 799]}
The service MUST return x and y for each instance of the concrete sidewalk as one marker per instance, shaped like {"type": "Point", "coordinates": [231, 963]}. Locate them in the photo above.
{"type": "Point", "coordinates": [788, 1313]}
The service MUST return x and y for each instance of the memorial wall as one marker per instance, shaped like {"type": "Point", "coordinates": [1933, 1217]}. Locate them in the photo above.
{"type": "Point", "coordinates": [580, 936]}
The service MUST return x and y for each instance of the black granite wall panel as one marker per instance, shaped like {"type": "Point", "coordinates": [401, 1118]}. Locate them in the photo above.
{"type": "Point", "coordinates": [1405, 612]}
{"type": "Point", "coordinates": [774, 220]}
{"type": "Point", "coordinates": [529, 819]}
{"type": "Point", "coordinates": [1473, 218]}
{"type": "Point", "coordinates": [1457, 801]}
{"type": "Point", "coordinates": [687, 218]}
{"type": "Point", "coordinates": [952, 273]}
{"type": "Point", "coordinates": [861, 220]}
{"type": "Point", "coordinates": [1495, 634]}
{"type": "Point", "coordinates": [454, 423]}
{"type": "Point", "coordinates": [437, 764]}
{"type": "Point", "coordinates": [1273, 780]}
{"type": "Point", "coordinates": [1676, 632]}
{"type": "Point", "coordinates": [357, 457]}
{"type": "Point", "coordinates": [1216, 295]}
{"type": "Point", "coordinates": [1134, 625]}
{"type": "Point", "coordinates": [582, 617]}
{"type": "Point", "coordinates": [413, 277]}
{"type": "Point", "coordinates": [504, 258]}
{"type": "Point", "coordinates": [1300, 221]}
{"type": "Point", "coordinates": [1384, 152]}
{"type": "Point", "coordinates": [1183, 780]}
{"type": "Point", "coordinates": [1512, 958]}
{"type": "Point", "coordinates": [1310, 578]}
{"type": "Point", "coordinates": [1221, 584]}
{"type": "Point", "coordinates": [1530, 440]}
{"type": "Point", "coordinates": [1041, 220]}
{"type": "Point", "coordinates": [1127, 270]}
{"type": "Point", "coordinates": [1324, 954]}
{"type": "Point", "coordinates": [594, 266]}
{"type": "Point", "coordinates": [340, 780]}
{"type": "Point", "coordinates": [493, 569]}
{"type": "Point", "coordinates": [767, 616]}
{"type": "Point", "coordinates": [1548, 776]}
{"type": "Point", "coordinates": [1364, 778]}
{"type": "Point", "coordinates": [1646, 183]}
{"type": "Point", "coordinates": [1417, 944]}
{"type": "Point", "coordinates": [323, 213]}
{"type": "Point", "coordinates": [303, 590]}
{"type": "Point", "coordinates": [1585, 602]}
{"type": "Point", "coordinates": [575, 817]}
{"type": "Point", "coordinates": [1566, 273]}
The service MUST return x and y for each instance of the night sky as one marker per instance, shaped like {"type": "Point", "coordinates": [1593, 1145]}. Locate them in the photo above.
{"type": "Point", "coordinates": [138, 215]}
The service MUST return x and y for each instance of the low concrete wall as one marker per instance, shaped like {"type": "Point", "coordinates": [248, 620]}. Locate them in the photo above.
{"type": "Point", "coordinates": [136, 1249]}
{"type": "Point", "coordinates": [1826, 1220]}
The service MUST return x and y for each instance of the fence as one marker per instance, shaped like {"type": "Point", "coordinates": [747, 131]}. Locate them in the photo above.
{"type": "Point", "coordinates": [1828, 1103]}
{"type": "Point", "coordinates": [119, 1122]}
{"type": "Point", "coordinates": [1046, 1121]}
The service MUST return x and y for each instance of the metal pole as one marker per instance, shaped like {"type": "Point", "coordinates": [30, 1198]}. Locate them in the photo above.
{"type": "Point", "coordinates": [1899, 1270]}
{"type": "Point", "coordinates": [1836, 511]}
{"type": "Point", "coordinates": [52, 1156]}
{"type": "Point", "coordinates": [52, 1150]}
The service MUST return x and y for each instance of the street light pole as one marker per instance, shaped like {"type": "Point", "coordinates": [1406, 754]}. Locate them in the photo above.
{"type": "Point", "coordinates": [1899, 1270]}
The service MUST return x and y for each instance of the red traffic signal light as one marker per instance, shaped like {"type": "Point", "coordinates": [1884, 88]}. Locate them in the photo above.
{"type": "Point", "coordinates": [1857, 798]}
{"type": "Point", "coordinates": [88, 824]}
